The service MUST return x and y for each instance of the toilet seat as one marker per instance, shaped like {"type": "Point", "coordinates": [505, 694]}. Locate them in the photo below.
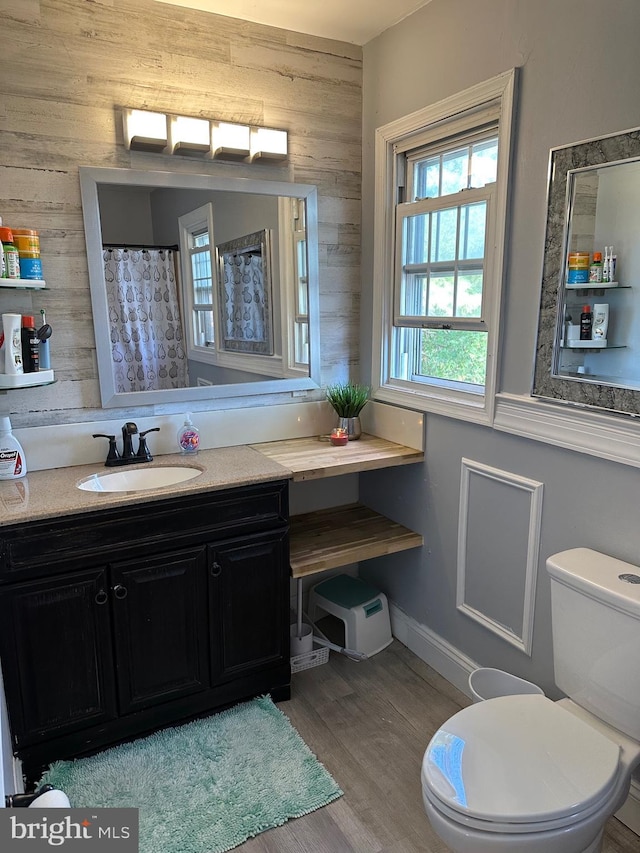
{"type": "Point", "coordinates": [518, 764]}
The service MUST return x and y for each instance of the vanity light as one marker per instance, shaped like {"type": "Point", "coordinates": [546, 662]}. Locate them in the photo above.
{"type": "Point", "coordinates": [145, 130]}
{"type": "Point", "coordinates": [173, 134]}
{"type": "Point", "coordinates": [229, 141]}
{"type": "Point", "coordinates": [189, 135]}
{"type": "Point", "coordinates": [268, 144]}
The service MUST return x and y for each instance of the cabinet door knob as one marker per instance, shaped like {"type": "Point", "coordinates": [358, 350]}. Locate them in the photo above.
{"type": "Point", "coordinates": [120, 591]}
{"type": "Point", "coordinates": [216, 569]}
{"type": "Point", "coordinates": [101, 597]}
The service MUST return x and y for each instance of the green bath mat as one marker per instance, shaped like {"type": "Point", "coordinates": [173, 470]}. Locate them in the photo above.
{"type": "Point", "coordinates": [206, 786]}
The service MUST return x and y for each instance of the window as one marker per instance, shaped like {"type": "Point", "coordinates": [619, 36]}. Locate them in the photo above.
{"type": "Point", "coordinates": [196, 242]}
{"type": "Point", "coordinates": [439, 235]}
{"type": "Point", "coordinates": [301, 286]}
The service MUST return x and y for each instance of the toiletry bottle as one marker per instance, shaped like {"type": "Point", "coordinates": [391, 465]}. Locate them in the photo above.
{"type": "Point", "coordinates": [11, 256]}
{"type": "Point", "coordinates": [600, 322]}
{"type": "Point", "coordinates": [188, 436]}
{"type": "Point", "coordinates": [12, 328]}
{"type": "Point", "coordinates": [12, 460]}
{"type": "Point", "coordinates": [586, 323]}
{"type": "Point", "coordinates": [44, 333]}
{"type": "Point", "coordinates": [595, 270]}
{"type": "Point", "coordinates": [30, 345]}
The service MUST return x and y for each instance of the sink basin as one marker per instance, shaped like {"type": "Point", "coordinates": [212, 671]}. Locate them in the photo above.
{"type": "Point", "coordinates": [139, 479]}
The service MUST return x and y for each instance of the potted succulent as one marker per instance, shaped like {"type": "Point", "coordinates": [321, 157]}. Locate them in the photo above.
{"type": "Point", "coordinates": [348, 399]}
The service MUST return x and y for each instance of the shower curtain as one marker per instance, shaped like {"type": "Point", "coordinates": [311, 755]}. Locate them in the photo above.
{"type": "Point", "coordinates": [147, 337]}
{"type": "Point", "coordinates": [246, 305]}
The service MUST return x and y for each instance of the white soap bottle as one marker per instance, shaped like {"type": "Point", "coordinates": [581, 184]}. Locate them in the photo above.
{"type": "Point", "coordinates": [13, 463]}
{"type": "Point", "coordinates": [600, 322]}
{"type": "Point", "coordinates": [188, 436]}
{"type": "Point", "coordinates": [12, 346]}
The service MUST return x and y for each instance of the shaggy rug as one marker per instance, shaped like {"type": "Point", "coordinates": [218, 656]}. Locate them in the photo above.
{"type": "Point", "coordinates": [206, 786]}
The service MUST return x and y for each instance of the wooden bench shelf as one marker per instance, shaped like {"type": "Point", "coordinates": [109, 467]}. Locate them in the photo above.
{"type": "Point", "coordinates": [341, 535]}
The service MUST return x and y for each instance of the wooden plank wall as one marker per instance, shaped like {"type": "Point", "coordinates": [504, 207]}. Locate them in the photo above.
{"type": "Point", "coordinates": [68, 66]}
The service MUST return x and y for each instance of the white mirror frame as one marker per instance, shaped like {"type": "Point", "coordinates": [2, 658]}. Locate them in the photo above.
{"type": "Point", "coordinates": [90, 178]}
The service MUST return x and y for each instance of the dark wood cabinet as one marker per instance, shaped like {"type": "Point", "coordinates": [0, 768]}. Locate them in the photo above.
{"type": "Point", "coordinates": [57, 655]}
{"type": "Point", "coordinates": [247, 589]}
{"type": "Point", "coordinates": [104, 636]}
{"type": "Point", "coordinates": [161, 634]}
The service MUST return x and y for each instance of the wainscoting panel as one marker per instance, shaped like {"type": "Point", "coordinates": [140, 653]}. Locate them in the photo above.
{"type": "Point", "coordinates": [498, 543]}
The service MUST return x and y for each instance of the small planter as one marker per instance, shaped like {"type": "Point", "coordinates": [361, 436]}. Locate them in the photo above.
{"type": "Point", "coordinates": [352, 427]}
{"type": "Point", "coordinates": [348, 400]}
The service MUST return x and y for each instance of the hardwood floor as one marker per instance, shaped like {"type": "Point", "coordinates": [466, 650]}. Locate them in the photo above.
{"type": "Point", "coordinates": [369, 724]}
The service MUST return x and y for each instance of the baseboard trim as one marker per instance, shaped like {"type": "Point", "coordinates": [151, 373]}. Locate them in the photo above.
{"type": "Point", "coordinates": [431, 648]}
{"type": "Point", "coordinates": [456, 667]}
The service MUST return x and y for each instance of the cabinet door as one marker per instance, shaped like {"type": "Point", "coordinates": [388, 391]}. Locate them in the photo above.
{"type": "Point", "coordinates": [160, 627]}
{"type": "Point", "coordinates": [56, 654]}
{"type": "Point", "coordinates": [249, 599]}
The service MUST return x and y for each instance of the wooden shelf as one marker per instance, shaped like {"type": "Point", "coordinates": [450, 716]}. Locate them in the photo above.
{"type": "Point", "coordinates": [341, 535]}
{"type": "Point", "coordinates": [315, 458]}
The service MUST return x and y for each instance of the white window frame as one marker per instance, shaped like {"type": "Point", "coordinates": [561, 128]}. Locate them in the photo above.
{"type": "Point", "coordinates": [189, 224]}
{"type": "Point", "coordinates": [485, 102]}
{"type": "Point", "coordinates": [292, 231]}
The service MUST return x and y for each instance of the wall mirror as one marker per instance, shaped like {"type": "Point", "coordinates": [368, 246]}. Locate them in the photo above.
{"type": "Point", "coordinates": [168, 329]}
{"type": "Point", "coordinates": [593, 209]}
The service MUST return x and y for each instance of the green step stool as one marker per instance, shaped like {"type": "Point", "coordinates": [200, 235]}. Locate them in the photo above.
{"type": "Point", "coordinates": [363, 609]}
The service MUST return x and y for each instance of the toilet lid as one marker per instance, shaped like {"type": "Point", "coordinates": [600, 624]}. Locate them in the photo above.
{"type": "Point", "coordinates": [519, 759]}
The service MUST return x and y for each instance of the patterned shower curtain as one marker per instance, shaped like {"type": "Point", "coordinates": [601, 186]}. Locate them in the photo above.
{"type": "Point", "coordinates": [244, 310]}
{"type": "Point", "coordinates": [147, 338]}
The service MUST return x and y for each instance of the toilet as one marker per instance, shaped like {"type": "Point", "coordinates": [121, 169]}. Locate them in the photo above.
{"type": "Point", "coordinates": [525, 774]}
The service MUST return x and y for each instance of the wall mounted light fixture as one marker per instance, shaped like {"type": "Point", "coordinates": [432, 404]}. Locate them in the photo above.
{"type": "Point", "coordinates": [145, 130]}
{"type": "Point", "coordinates": [189, 135]}
{"type": "Point", "coordinates": [164, 133]}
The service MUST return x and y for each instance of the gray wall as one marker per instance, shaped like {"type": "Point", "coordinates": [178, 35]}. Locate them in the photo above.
{"type": "Point", "coordinates": [579, 71]}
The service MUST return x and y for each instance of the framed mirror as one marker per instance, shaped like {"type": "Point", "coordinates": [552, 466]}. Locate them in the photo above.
{"type": "Point", "coordinates": [587, 352]}
{"type": "Point", "coordinates": [244, 293]}
{"type": "Point", "coordinates": [156, 249]}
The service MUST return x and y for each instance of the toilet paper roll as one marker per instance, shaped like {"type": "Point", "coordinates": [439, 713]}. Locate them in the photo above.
{"type": "Point", "coordinates": [51, 800]}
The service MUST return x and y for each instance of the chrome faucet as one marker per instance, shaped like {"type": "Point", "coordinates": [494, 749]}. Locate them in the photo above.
{"type": "Point", "coordinates": [128, 457]}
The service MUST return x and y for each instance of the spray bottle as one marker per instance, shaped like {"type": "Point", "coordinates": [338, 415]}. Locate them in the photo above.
{"type": "Point", "coordinates": [13, 463]}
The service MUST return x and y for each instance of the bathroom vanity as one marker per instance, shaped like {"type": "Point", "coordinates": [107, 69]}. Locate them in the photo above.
{"type": "Point", "coordinates": [124, 612]}
{"type": "Point", "coordinates": [117, 622]}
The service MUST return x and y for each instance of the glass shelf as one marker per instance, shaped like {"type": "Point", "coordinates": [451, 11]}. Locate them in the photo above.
{"type": "Point", "coordinates": [9, 381]}
{"type": "Point", "coordinates": [592, 287]}
{"type": "Point", "coordinates": [23, 283]}
{"type": "Point", "coordinates": [591, 346]}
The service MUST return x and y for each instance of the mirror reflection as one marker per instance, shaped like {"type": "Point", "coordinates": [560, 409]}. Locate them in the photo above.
{"type": "Point", "coordinates": [600, 309]}
{"type": "Point", "coordinates": [587, 352]}
{"type": "Point", "coordinates": [201, 287]}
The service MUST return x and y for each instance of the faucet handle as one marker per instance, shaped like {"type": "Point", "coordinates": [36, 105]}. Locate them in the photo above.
{"type": "Point", "coordinates": [144, 454]}
{"type": "Point", "coordinates": [153, 429]}
{"type": "Point", "coordinates": [113, 454]}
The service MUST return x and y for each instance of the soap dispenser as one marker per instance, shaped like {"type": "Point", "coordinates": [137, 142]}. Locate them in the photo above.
{"type": "Point", "coordinates": [188, 436]}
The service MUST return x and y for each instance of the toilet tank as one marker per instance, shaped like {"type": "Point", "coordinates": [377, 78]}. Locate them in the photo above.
{"type": "Point", "coordinates": [595, 613]}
